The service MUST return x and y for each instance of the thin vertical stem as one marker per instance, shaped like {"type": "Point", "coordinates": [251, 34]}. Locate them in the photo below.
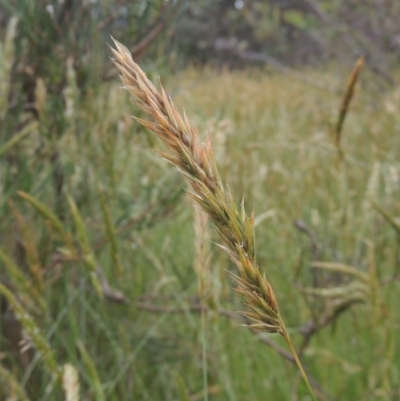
{"type": "Point", "coordinates": [204, 352]}
{"type": "Point", "coordinates": [296, 358]}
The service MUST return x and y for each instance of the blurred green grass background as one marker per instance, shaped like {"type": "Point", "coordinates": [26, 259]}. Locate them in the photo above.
{"type": "Point", "coordinates": [128, 229]}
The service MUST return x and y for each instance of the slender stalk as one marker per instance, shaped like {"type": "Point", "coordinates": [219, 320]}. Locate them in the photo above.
{"type": "Point", "coordinates": [288, 340]}
{"type": "Point", "coordinates": [204, 353]}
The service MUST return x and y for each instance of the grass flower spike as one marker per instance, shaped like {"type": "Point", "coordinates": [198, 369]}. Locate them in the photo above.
{"type": "Point", "coordinates": [196, 162]}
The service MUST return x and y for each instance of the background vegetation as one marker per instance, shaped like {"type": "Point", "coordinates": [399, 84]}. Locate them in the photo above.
{"type": "Point", "coordinates": [102, 270]}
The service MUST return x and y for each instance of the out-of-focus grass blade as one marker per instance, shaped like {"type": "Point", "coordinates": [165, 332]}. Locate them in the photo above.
{"type": "Point", "coordinates": [390, 219]}
{"type": "Point", "coordinates": [21, 282]}
{"type": "Point", "coordinates": [34, 263]}
{"type": "Point", "coordinates": [342, 268]}
{"type": "Point", "coordinates": [34, 333]}
{"type": "Point", "coordinates": [184, 396]}
{"type": "Point", "coordinates": [7, 56]}
{"type": "Point", "coordinates": [16, 391]}
{"type": "Point", "coordinates": [17, 138]}
{"type": "Point", "coordinates": [88, 255]}
{"type": "Point", "coordinates": [110, 231]}
{"type": "Point", "coordinates": [54, 221]}
{"type": "Point", "coordinates": [353, 291]}
{"type": "Point", "coordinates": [92, 371]}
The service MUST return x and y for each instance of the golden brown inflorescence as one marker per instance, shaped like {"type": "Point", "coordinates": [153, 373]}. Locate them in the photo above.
{"type": "Point", "coordinates": [197, 163]}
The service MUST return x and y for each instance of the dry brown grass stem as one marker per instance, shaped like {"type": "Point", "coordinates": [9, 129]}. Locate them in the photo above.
{"type": "Point", "coordinates": [196, 162]}
{"type": "Point", "coordinates": [348, 95]}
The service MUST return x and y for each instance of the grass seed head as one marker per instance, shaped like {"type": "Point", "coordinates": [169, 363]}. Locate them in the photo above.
{"type": "Point", "coordinates": [197, 163]}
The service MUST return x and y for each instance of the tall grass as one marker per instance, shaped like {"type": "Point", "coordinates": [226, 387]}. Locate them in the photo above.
{"type": "Point", "coordinates": [165, 328]}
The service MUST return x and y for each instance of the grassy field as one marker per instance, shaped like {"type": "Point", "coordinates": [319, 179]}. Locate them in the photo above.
{"type": "Point", "coordinates": [112, 284]}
